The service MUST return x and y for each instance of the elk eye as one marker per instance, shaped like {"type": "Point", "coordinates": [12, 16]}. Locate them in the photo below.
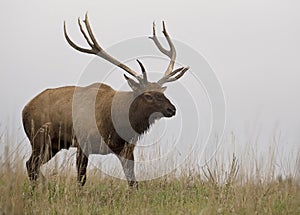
{"type": "Point", "coordinates": [148, 97]}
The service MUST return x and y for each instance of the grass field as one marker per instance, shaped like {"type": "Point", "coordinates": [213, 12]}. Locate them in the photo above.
{"type": "Point", "coordinates": [213, 191]}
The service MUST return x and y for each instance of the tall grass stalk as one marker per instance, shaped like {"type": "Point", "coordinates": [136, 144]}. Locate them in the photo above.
{"type": "Point", "coordinates": [223, 186]}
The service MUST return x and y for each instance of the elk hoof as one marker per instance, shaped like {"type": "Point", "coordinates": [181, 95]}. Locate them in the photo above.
{"type": "Point", "coordinates": [134, 184]}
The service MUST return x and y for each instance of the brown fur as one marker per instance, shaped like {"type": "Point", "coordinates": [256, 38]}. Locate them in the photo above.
{"type": "Point", "coordinates": [49, 118]}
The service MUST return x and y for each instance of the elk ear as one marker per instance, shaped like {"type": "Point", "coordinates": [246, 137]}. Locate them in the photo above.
{"type": "Point", "coordinates": [163, 89]}
{"type": "Point", "coordinates": [132, 84]}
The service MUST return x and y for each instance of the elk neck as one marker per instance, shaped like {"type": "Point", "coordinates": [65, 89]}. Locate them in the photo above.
{"type": "Point", "coordinates": [140, 115]}
{"type": "Point", "coordinates": [129, 110]}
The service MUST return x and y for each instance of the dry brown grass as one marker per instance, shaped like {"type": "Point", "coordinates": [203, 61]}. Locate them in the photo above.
{"type": "Point", "coordinates": [234, 187]}
{"type": "Point", "coordinates": [217, 190]}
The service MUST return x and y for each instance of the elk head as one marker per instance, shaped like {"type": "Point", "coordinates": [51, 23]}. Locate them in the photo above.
{"type": "Point", "coordinates": [151, 93]}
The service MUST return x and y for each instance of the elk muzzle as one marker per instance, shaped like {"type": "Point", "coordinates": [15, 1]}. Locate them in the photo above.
{"type": "Point", "coordinates": [170, 111]}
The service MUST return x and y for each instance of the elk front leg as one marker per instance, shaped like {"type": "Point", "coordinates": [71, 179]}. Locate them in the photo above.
{"type": "Point", "coordinates": [81, 163]}
{"type": "Point", "coordinates": [127, 160]}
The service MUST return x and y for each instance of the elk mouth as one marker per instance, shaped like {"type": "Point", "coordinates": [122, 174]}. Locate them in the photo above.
{"type": "Point", "coordinates": [168, 112]}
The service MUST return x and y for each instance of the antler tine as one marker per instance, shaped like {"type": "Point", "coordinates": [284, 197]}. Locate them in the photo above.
{"type": "Point", "coordinates": [95, 44]}
{"type": "Point", "coordinates": [145, 79]}
{"type": "Point", "coordinates": [84, 34]}
{"type": "Point", "coordinates": [173, 76]}
{"type": "Point", "coordinates": [157, 43]}
{"type": "Point", "coordinates": [72, 44]}
{"type": "Point", "coordinates": [170, 53]}
{"type": "Point", "coordinates": [95, 47]}
{"type": "Point", "coordinates": [181, 73]}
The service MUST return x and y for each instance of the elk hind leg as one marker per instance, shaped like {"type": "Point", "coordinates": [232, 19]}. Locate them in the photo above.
{"type": "Point", "coordinates": [41, 152]}
{"type": "Point", "coordinates": [33, 166]}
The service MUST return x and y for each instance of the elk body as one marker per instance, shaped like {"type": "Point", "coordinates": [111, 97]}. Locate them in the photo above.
{"type": "Point", "coordinates": [51, 122]}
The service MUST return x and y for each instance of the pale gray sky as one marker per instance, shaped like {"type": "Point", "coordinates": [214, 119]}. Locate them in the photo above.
{"type": "Point", "coordinates": [253, 46]}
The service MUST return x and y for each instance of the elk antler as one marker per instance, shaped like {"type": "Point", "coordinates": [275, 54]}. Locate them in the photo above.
{"type": "Point", "coordinates": [143, 82]}
{"type": "Point", "coordinates": [169, 74]}
{"type": "Point", "coordinates": [96, 49]}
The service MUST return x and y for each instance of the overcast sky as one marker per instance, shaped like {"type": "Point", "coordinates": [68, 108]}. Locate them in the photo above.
{"type": "Point", "coordinates": [253, 46]}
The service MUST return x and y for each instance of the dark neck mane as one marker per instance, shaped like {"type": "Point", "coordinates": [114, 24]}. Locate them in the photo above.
{"type": "Point", "coordinates": [129, 105]}
{"type": "Point", "coordinates": [139, 118]}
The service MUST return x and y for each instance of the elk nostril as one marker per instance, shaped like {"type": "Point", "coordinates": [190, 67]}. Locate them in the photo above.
{"type": "Point", "coordinates": [171, 110]}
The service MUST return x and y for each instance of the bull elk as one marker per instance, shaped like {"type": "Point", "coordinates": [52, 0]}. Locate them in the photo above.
{"type": "Point", "coordinates": [49, 118]}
